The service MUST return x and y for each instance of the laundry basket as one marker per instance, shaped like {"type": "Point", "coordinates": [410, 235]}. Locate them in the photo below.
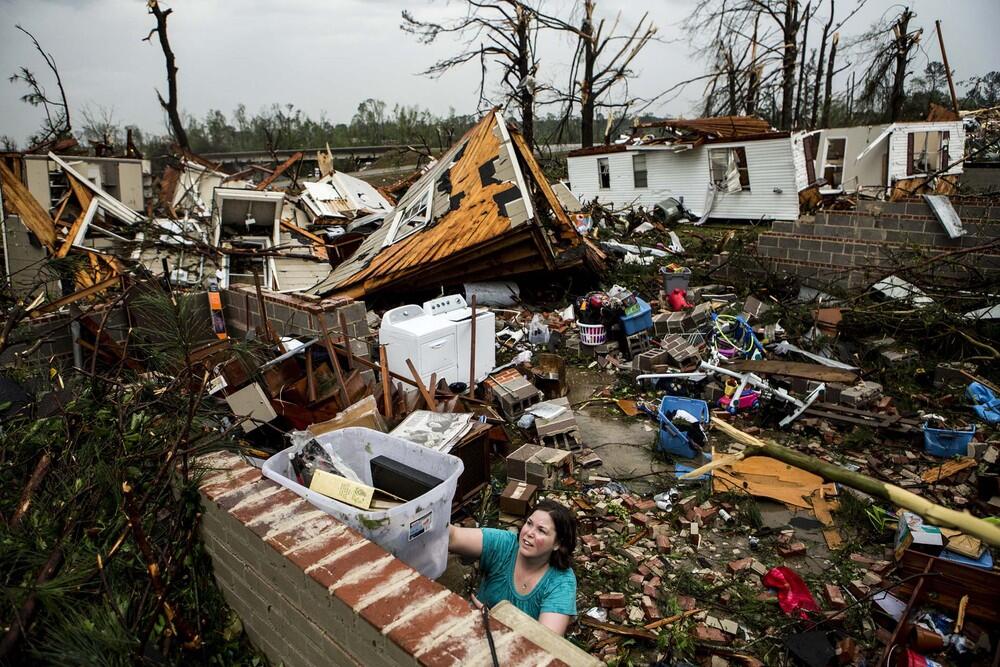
{"type": "Point", "coordinates": [416, 532]}
{"type": "Point", "coordinates": [947, 442]}
{"type": "Point", "coordinates": [592, 334]}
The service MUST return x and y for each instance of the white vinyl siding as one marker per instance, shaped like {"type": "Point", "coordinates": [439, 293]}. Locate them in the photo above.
{"type": "Point", "coordinates": [686, 174]}
{"type": "Point", "coordinates": [897, 145]}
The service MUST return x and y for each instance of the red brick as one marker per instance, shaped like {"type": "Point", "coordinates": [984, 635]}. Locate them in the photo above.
{"type": "Point", "coordinates": [663, 544]}
{"type": "Point", "coordinates": [834, 596]}
{"type": "Point", "coordinates": [862, 560]}
{"type": "Point", "coordinates": [305, 531]}
{"type": "Point", "coordinates": [388, 576]}
{"type": "Point", "coordinates": [739, 565]}
{"type": "Point", "coordinates": [234, 479]}
{"type": "Point", "coordinates": [233, 498]}
{"type": "Point", "coordinates": [329, 574]}
{"type": "Point", "coordinates": [306, 556]}
{"type": "Point", "coordinates": [686, 602]}
{"type": "Point", "coordinates": [703, 633]}
{"type": "Point", "coordinates": [250, 510]}
{"type": "Point", "coordinates": [618, 615]}
{"type": "Point", "coordinates": [651, 610]}
{"type": "Point", "coordinates": [640, 518]}
{"type": "Point", "coordinates": [409, 634]}
{"type": "Point", "coordinates": [793, 549]}
{"type": "Point", "coordinates": [611, 600]}
{"type": "Point", "coordinates": [457, 648]}
{"type": "Point", "coordinates": [389, 609]}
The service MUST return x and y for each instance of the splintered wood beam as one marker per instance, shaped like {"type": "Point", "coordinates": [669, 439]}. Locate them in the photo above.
{"type": "Point", "coordinates": [334, 361]}
{"type": "Point", "coordinates": [428, 397]}
{"type": "Point", "coordinates": [19, 199]}
{"type": "Point", "coordinates": [472, 356]}
{"type": "Point", "coordinates": [280, 170]}
{"type": "Point", "coordinates": [386, 381]}
{"type": "Point", "coordinates": [76, 296]}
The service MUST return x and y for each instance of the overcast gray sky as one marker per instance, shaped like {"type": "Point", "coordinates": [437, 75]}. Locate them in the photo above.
{"type": "Point", "coordinates": [329, 55]}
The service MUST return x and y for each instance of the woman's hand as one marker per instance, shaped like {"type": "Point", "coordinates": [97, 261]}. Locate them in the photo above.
{"type": "Point", "coordinates": [465, 541]}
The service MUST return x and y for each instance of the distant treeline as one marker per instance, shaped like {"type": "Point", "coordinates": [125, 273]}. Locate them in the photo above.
{"type": "Point", "coordinates": [374, 123]}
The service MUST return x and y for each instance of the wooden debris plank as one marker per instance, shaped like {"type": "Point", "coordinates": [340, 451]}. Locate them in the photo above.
{"type": "Point", "coordinates": [642, 633]}
{"type": "Point", "coordinates": [85, 215]}
{"type": "Point", "coordinates": [76, 296]}
{"type": "Point", "coordinates": [280, 170]}
{"type": "Point", "coordinates": [947, 469]}
{"type": "Point", "coordinates": [19, 199]}
{"type": "Point", "coordinates": [334, 361]}
{"type": "Point", "coordinates": [428, 397]}
{"type": "Point", "coordinates": [795, 369]}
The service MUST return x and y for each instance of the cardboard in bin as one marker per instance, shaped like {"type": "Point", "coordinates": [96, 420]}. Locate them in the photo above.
{"type": "Point", "coordinates": [342, 489]}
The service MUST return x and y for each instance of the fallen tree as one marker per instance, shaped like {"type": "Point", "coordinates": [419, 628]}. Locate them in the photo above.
{"type": "Point", "coordinates": [936, 514]}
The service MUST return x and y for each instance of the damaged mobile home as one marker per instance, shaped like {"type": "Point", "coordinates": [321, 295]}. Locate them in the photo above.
{"type": "Point", "coordinates": [873, 160]}
{"type": "Point", "coordinates": [738, 168]}
{"type": "Point", "coordinates": [731, 167]}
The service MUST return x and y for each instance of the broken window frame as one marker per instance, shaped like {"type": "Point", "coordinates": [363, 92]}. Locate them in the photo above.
{"type": "Point", "coordinates": [640, 177]}
{"type": "Point", "coordinates": [603, 173]}
{"type": "Point", "coordinates": [737, 153]}
{"type": "Point", "coordinates": [418, 211]}
{"type": "Point", "coordinates": [915, 154]}
{"type": "Point", "coordinates": [835, 179]}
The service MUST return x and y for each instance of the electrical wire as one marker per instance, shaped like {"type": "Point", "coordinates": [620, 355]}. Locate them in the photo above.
{"type": "Point", "coordinates": [489, 635]}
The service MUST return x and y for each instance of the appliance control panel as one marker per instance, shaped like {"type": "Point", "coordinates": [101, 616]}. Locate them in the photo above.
{"type": "Point", "coordinates": [444, 304]}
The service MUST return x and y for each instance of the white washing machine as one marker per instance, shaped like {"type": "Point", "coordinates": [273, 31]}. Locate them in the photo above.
{"type": "Point", "coordinates": [437, 338]}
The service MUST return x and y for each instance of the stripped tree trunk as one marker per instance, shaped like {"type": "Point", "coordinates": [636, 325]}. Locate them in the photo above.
{"type": "Point", "coordinates": [170, 104]}
{"type": "Point", "coordinates": [935, 514]}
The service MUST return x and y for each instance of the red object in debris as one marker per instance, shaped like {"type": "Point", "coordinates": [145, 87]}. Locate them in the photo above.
{"type": "Point", "coordinates": [677, 300]}
{"type": "Point", "coordinates": [914, 659]}
{"type": "Point", "coordinates": [793, 594]}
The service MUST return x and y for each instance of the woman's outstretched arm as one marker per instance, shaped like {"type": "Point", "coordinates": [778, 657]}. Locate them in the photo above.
{"type": "Point", "coordinates": [465, 541]}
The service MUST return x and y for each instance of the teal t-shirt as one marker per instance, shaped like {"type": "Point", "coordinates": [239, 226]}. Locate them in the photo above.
{"type": "Point", "coordinates": [555, 591]}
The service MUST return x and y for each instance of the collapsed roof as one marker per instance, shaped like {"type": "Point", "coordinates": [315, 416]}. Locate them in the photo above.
{"type": "Point", "coordinates": [484, 209]}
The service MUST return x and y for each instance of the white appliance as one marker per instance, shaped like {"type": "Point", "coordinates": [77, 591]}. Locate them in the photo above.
{"type": "Point", "coordinates": [437, 338]}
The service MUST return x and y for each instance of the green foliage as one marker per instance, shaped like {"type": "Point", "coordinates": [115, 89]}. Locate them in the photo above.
{"type": "Point", "coordinates": [127, 427]}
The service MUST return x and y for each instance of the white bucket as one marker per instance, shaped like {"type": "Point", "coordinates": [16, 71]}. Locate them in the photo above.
{"type": "Point", "coordinates": [416, 532]}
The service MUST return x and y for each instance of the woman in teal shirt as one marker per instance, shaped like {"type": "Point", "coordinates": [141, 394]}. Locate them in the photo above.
{"type": "Point", "coordinates": [532, 569]}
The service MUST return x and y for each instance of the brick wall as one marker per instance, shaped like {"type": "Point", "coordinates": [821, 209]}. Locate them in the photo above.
{"type": "Point", "coordinates": [852, 249]}
{"type": "Point", "coordinates": [311, 591]}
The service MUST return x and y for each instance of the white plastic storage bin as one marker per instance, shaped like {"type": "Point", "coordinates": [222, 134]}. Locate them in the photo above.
{"type": "Point", "coordinates": [416, 532]}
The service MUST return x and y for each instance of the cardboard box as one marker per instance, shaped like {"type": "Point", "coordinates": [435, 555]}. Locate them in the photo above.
{"type": "Point", "coordinates": [517, 498]}
{"type": "Point", "coordinates": [364, 413]}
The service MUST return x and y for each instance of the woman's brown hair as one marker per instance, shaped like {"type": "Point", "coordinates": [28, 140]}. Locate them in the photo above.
{"type": "Point", "coordinates": [565, 523]}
